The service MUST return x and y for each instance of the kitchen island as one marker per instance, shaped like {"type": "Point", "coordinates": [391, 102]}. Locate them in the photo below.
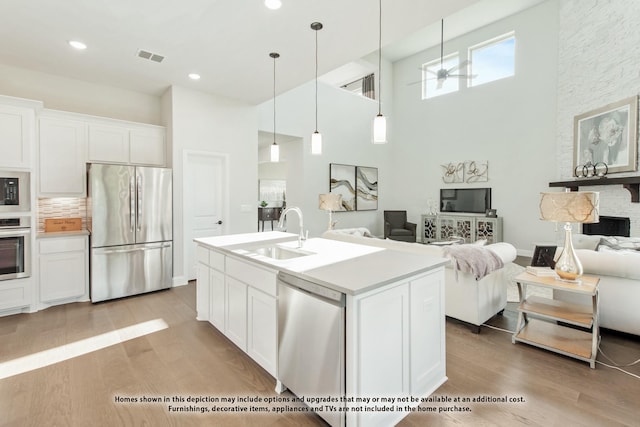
{"type": "Point", "coordinates": [393, 329]}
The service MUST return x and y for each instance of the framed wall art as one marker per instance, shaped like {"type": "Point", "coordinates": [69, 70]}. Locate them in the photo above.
{"type": "Point", "coordinates": [453, 172]}
{"type": "Point", "coordinates": [608, 135]}
{"type": "Point", "coordinates": [366, 188]}
{"type": "Point", "coordinates": [476, 171]}
{"type": "Point", "coordinates": [342, 180]}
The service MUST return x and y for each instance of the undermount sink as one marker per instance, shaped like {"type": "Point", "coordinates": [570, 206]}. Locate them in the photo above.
{"type": "Point", "coordinates": [279, 252]}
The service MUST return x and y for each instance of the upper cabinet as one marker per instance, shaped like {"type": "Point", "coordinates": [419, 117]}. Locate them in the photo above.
{"type": "Point", "coordinates": [108, 143]}
{"type": "Point", "coordinates": [16, 136]}
{"type": "Point", "coordinates": [144, 145]}
{"type": "Point", "coordinates": [63, 154]}
{"type": "Point", "coordinates": [147, 146]}
{"type": "Point", "coordinates": [69, 140]}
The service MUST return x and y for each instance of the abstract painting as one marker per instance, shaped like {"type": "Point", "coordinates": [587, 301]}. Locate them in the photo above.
{"type": "Point", "coordinates": [366, 188]}
{"type": "Point", "coordinates": [476, 171]}
{"type": "Point", "coordinates": [342, 181]}
{"type": "Point", "coordinates": [453, 172]}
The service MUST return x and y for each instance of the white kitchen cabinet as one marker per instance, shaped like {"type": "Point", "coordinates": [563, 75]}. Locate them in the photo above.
{"type": "Point", "coordinates": [16, 136]}
{"type": "Point", "coordinates": [262, 329]}
{"type": "Point", "coordinates": [108, 143]}
{"type": "Point", "coordinates": [147, 146]}
{"type": "Point", "coordinates": [62, 157]}
{"type": "Point", "coordinates": [63, 269]}
{"type": "Point", "coordinates": [383, 340]}
{"type": "Point", "coordinates": [242, 304]}
{"type": "Point", "coordinates": [15, 295]}
{"type": "Point", "coordinates": [236, 312]}
{"type": "Point", "coordinates": [127, 143]}
{"type": "Point", "coordinates": [202, 287]}
{"type": "Point", "coordinates": [216, 298]}
{"type": "Point", "coordinates": [427, 350]}
{"type": "Point", "coordinates": [399, 327]}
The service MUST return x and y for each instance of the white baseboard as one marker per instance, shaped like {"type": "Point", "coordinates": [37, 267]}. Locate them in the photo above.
{"type": "Point", "coordinates": [525, 252]}
{"type": "Point", "coordinates": [180, 281]}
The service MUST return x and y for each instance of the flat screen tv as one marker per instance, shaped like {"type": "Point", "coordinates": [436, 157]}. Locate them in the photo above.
{"type": "Point", "coordinates": [465, 200]}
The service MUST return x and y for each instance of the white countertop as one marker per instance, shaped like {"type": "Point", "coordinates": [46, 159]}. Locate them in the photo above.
{"type": "Point", "coordinates": [346, 267]}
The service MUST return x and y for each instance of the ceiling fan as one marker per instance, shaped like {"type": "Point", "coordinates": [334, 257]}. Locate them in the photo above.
{"type": "Point", "coordinates": [443, 74]}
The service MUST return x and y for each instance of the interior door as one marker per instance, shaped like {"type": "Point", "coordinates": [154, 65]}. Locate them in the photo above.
{"type": "Point", "coordinates": [204, 201]}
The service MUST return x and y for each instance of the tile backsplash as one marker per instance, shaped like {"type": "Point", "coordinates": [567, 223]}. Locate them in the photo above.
{"type": "Point", "coordinates": [62, 207]}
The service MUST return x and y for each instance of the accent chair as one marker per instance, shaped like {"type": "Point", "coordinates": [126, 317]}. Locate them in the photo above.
{"type": "Point", "coordinates": [396, 226]}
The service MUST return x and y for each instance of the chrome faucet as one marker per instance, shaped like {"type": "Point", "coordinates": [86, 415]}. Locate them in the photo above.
{"type": "Point", "coordinates": [301, 236]}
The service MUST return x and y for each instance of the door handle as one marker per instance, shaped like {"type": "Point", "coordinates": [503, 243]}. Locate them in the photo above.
{"type": "Point", "coordinates": [139, 200]}
{"type": "Point", "coordinates": [219, 222]}
{"type": "Point", "coordinates": [132, 204]}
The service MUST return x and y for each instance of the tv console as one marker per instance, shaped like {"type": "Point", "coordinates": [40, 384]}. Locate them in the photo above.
{"type": "Point", "coordinates": [470, 227]}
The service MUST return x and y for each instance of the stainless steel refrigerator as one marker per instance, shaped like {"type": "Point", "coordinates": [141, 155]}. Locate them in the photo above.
{"type": "Point", "coordinates": [129, 216]}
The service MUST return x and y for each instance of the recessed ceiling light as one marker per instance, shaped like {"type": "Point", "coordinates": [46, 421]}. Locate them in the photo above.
{"type": "Point", "coordinates": [194, 76]}
{"type": "Point", "coordinates": [273, 4]}
{"type": "Point", "coordinates": [77, 45]}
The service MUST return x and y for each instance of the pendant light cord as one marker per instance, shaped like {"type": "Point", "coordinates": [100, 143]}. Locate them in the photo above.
{"type": "Point", "coordinates": [380, 60]}
{"type": "Point", "coordinates": [441, 44]}
{"type": "Point", "coordinates": [317, 80]}
{"type": "Point", "coordinates": [274, 99]}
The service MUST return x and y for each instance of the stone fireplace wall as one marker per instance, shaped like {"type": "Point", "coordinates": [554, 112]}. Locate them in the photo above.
{"type": "Point", "coordinates": [597, 64]}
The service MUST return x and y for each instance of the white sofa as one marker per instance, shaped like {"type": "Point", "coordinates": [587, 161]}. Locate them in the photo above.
{"type": "Point", "coordinates": [466, 299]}
{"type": "Point", "coordinates": [618, 268]}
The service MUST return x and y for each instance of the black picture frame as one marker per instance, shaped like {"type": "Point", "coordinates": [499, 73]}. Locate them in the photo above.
{"type": "Point", "coordinates": [543, 256]}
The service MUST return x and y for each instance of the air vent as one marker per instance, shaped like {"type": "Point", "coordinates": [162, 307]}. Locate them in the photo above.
{"type": "Point", "coordinates": [150, 55]}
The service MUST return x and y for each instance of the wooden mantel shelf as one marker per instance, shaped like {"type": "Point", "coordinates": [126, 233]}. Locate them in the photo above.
{"type": "Point", "coordinates": [631, 183]}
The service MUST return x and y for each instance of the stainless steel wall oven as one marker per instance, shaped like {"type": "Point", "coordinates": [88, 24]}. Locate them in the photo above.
{"type": "Point", "coordinates": [15, 191]}
{"type": "Point", "coordinates": [15, 248]}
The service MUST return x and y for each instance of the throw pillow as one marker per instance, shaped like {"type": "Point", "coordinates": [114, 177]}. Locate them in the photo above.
{"type": "Point", "coordinates": [615, 243]}
{"type": "Point", "coordinates": [604, 248]}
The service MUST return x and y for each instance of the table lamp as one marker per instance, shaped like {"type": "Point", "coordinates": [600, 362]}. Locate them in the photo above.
{"type": "Point", "coordinates": [568, 207]}
{"type": "Point", "coordinates": [330, 202]}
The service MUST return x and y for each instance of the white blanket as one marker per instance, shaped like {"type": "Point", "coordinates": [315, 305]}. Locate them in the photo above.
{"type": "Point", "coordinates": [473, 259]}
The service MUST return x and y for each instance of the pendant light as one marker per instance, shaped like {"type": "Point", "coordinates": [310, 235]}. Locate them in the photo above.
{"type": "Point", "coordinates": [275, 149]}
{"type": "Point", "coordinates": [316, 137]}
{"type": "Point", "coordinates": [380, 122]}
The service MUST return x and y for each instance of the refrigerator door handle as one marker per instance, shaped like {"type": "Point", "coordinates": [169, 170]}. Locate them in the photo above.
{"type": "Point", "coordinates": [128, 250]}
{"type": "Point", "coordinates": [139, 200]}
{"type": "Point", "coordinates": [132, 204]}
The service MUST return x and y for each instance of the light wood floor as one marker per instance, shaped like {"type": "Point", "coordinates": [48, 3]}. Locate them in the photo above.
{"type": "Point", "coordinates": [191, 358]}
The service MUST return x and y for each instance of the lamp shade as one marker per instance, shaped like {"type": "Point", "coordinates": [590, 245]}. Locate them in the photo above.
{"type": "Point", "coordinates": [316, 143]}
{"type": "Point", "coordinates": [571, 206]}
{"type": "Point", "coordinates": [330, 202]}
{"type": "Point", "coordinates": [380, 129]}
{"type": "Point", "coordinates": [275, 152]}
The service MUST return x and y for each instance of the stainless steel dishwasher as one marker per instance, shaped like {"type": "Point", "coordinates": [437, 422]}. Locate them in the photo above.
{"type": "Point", "coordinates": [311, 336]}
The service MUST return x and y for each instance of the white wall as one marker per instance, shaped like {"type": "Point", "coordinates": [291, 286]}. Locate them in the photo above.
{"type": "Point", "coordinates": [345, 122]}
{"type": "Point", "coordinates": [61, 93]}
{"type": "Point", "coordinates": [203, 122]}
{"type": "Point", "coordinates": [598, 65]}
{"type": "Point", "coordinates": [510, 122]}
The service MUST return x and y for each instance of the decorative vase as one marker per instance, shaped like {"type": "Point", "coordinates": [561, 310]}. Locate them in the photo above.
{"type": "Point", "coordinates": [568, 266]}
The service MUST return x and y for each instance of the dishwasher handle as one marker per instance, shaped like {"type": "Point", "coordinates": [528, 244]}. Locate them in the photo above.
{"type": "Point", "coordinates": [314, 289]}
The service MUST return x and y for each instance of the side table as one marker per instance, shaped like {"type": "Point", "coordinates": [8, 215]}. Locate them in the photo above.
{"type": "Point", "coordinates": [537, 318]}
{"type": "Point", "coordinates": [268, 214]}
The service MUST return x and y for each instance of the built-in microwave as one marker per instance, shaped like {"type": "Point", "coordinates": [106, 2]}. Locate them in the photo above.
{"type": "Point", "coordinates": [15, 191]}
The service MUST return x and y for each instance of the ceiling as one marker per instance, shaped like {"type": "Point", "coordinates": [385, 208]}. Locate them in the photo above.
{"type": "Point", "coordinates": [227, 42]}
